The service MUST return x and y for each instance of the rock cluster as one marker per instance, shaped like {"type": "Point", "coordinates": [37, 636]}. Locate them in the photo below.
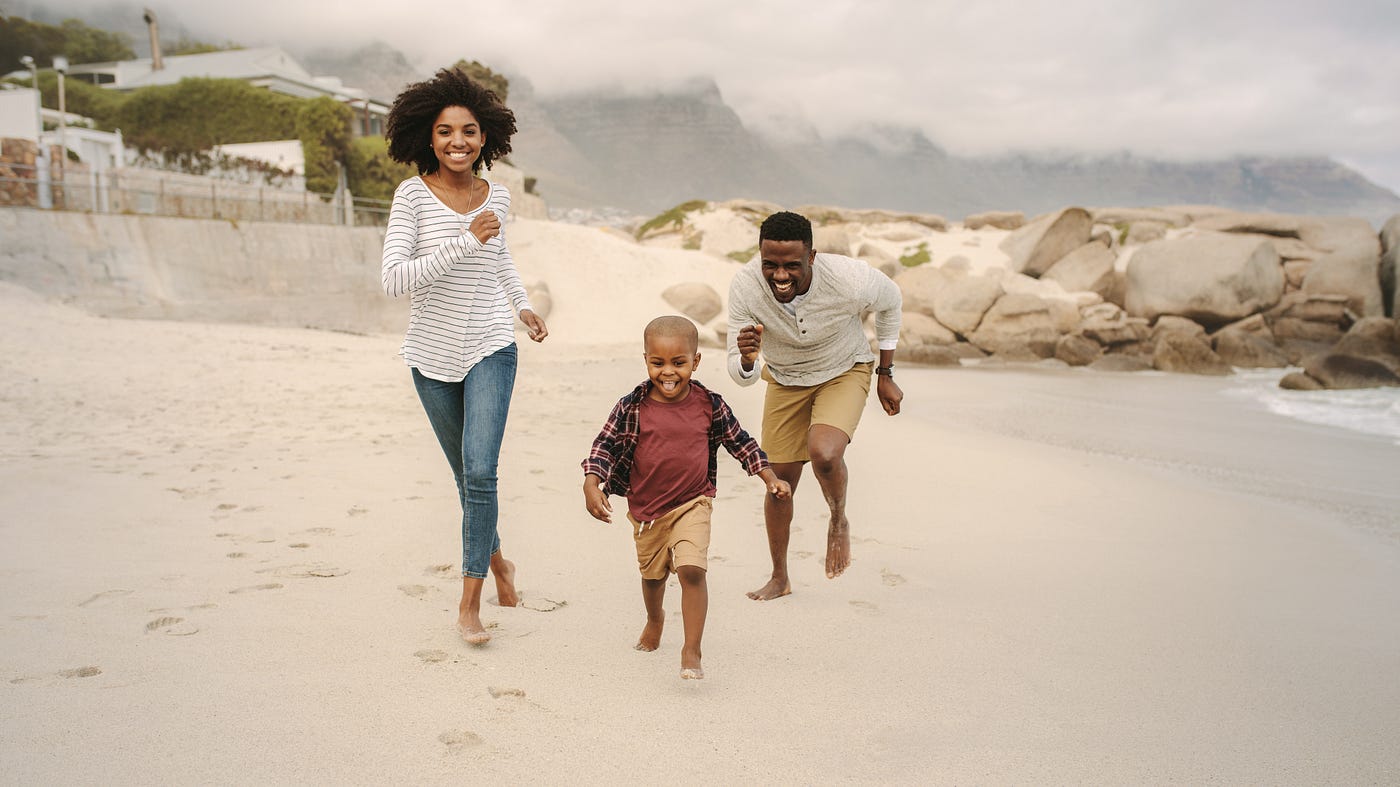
{"type": "Point", "coordinates": [1195, 290]}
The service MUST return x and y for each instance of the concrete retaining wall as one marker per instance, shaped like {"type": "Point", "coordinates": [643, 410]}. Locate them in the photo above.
{"type": "Point", "coordinates": [302, 275]}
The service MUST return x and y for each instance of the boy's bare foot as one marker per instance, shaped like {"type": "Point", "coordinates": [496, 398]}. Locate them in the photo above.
{"type": "Point", "coordinates": [505, 585]}
{"type": "Point", "coordinates": [838, 548]}
{"type": "Point", "coordinates": [776, 588]}
{"type": "Point", "coordinates": [690, 665]}
{"type": "Point", "coordinates": [651, 636]}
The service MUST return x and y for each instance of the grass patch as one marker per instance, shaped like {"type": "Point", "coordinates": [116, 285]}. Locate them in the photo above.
{"type": "Point", "coordinates": [744, 255]}
{"type": "Point", "coordinates": [918, 256]}
{"type": "Point", "coordinates": [1122, 227]}
{"type": "Point", "coordinates": [674, 216]}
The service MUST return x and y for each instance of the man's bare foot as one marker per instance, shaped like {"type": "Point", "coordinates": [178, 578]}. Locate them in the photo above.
{"type": "Point", "coordinates": [690, 665]}
{"type": "Point", "coordinates": [505, 585]}
{"type": "Point", "coordinates": [838, 548]}
{"type": "Point", "coordinates": [776, 588]}
{"type": "Point", "coordinates": [651, 636]}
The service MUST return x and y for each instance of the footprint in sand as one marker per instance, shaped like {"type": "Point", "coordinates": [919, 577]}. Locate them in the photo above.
{"type": "Point", "coordinates": [175, 627]}
{"type": "Point", "coordinates": [264, 586]}
{"type": "Point", "coordinates": [458, 740]}
{"type": "Point", "coordinates": [80, 672]}
{"type": "Point", "coordinates": [442, 570]}
{"type": "Point", "coordinates": [356, 511]}
{"type": "Point", "coordinates": [104, 597]}
{"type": "Point", "coordinates": [299, 545]}
{"type": "Point", "coordinates": [431, 656]}
{"type": "Point", "coordinates": [237, 554]}
{"type": "Point", "coordinates": [76, 672]}
{"type": "Point", "coordinates": [305, 570]}
{"type": "Point", "coordinates": [319, 531]}
{"type": "Point", "coordinates": [890, 578]}
{"type": "Point", "coordinates": [415, 591]}
{"type": "Point", "coordinates": [865, 607]}
{"type": "Point", "coordinates": [537, 471]}
{"type": "Point", "coordinates": [718, 558]}
{"type": "Point", "coordinates": [802, 554]}
{"type": "Point", "coordinates": [498, 692]}
{"type": "Point", "coordinates": [543, 604]}
{"type": "Point", "coordinates": [225, 506]}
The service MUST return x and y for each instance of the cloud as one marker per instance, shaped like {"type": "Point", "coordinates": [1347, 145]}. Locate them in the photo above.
{"type": "Point", "coordinates": [1181, 79]}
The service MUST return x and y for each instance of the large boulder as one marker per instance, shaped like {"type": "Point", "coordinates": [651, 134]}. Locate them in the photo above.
{"type": "Point", "coordinates": [1000, 219]}
{"type": "Point", "coordinates": [1078, 350]}
{"type": "Point", "coordinates": [920, 285]}
{"type": "Point", "coordinates": [694, 299]}
{"type": "Point", "coordinates": [1088, 268]}
{"type": "Point", "coordinates": [1170, 323]}
{"type": "Point", "coordinates": [832, 239]}
{"type": "Point", "coordinates": [1113, 329]}
{"type": "Point", "coordinates": [1249, 344]}
{"type": "Point", "coordinates": [1040, 244]}
{"type": "Point", "coordinates": [1368, 356]}
{"type": "Point", "coordinates": [1017, 324]}
{"type": "Point", "coordinates": [917, 329]}
{"type": "Point", "coordinates": [1188, 355]}
{"type": "Point", "coordinates": [964, 300]}
{"type": "Point", "coordinates": [1212, 278]}
{"type": "Point", "coordinates": [1353, 273]}
{"type": "Point", "coordinates": [877, 257]}
{"type": "Point", "coordinates": [1129, 216]}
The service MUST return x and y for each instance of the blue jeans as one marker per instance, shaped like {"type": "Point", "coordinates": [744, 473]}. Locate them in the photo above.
{"type": "Point", "coordinates": [469, 419]}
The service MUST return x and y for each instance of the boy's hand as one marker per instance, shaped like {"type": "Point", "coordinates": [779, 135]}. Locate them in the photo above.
{"type": "Point", "coordinates": [780, 489]}
{"type": "Point", "coordinates": [749, 341]}
{"type": "Point", "coordinates": [595, 501]}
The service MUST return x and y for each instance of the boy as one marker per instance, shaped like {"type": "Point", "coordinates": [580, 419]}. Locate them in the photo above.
{"type": "Point", "coordinates": [658, 449]}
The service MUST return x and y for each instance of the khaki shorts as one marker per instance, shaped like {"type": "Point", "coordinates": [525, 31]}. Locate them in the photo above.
{"type": "Point", "coordinates": [679, 537]}
{"type": "Point", "coordinates": [789, 411]}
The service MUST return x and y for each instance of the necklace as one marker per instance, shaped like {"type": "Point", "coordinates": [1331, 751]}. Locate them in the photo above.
{"type": "Point", "coordinates": [451, 195]}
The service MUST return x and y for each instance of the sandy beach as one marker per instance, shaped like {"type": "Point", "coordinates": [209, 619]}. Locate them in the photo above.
{"type": "Point", "coordinates": [231, 557]}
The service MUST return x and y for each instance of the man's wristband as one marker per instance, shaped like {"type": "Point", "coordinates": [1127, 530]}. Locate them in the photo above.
{"type": "Point", "coordinates": [887, 371]}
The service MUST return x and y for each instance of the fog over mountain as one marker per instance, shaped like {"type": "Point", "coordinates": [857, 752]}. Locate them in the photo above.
{"type": "Point", "coordinates": [997, 104]}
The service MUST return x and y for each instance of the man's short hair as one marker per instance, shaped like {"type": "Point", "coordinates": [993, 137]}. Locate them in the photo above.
{"type": "Point", "coordinates": [674, 326]}
{"type": "Point", "coordinates": [786, 225]}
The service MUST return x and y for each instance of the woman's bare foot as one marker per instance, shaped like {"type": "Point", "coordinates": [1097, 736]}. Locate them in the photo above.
{"type": "Point", "coordinates": [838, 548]}
{"type": "Point", "coordinates": [690, 665]}
{"type": "Point", "coordinates": [776, 588]}
{"type": "Point", "coordinates": [473, 635]}
{"type": "Point", "coordinates": [506, 595]}
{"type": "Point", "coordinates": [651, 636]}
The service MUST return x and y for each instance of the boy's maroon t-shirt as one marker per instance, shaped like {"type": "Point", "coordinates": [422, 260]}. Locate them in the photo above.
{"type": "Point", "coordinates": [672, 461]}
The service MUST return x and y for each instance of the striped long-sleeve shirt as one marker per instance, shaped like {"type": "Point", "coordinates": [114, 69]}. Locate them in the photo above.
{"type": "Point", "coordinates": [464, 293]}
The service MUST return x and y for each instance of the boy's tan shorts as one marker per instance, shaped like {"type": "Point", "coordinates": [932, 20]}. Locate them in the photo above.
{"type": "Point", "coordinates": [789, 411]}
{"type": "Point", "coordinates": [679, 537]}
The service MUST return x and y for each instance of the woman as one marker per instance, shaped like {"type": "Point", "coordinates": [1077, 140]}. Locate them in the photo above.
{"type": "Point", "coordinates": [444, 247]}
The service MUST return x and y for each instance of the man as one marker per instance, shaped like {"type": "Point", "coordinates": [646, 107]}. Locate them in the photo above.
{"type": "Point", "coordinates": [803, 310]}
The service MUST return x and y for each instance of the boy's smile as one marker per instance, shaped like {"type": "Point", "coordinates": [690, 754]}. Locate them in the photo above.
{"type": "Point", "coordinates": [671, 360]}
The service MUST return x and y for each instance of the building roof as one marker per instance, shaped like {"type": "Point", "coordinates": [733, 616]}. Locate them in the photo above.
{"type": "Point", "coordinates": [268, 67]}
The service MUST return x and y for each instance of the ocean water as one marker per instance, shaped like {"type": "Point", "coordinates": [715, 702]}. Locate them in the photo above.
{"type": "Point", "coordinates": [1373, 411]}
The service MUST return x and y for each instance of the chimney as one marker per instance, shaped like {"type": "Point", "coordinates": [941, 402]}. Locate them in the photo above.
{"type": "Point", "coordinates": [154, 28]}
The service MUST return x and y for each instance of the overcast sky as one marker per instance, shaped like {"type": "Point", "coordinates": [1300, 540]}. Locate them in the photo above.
{"type": "Point", "coordinates": [1180, 79]}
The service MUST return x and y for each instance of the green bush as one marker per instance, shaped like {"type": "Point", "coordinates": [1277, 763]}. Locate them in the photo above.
{"type": "Point", "coordinates": [197, 114]}
{"type": "Point", "coordinates": [370, 171]}
{"type": "Point", "coordinates": [78, 42]}
{"type": "Point", "coordinates": [674, 216]}
{"type": "Point", "coordinates": [918, 256]}
{"type": "Point", "coordinates": [323, 126]}
{"type": "Point", "coordinates": [484, 75]}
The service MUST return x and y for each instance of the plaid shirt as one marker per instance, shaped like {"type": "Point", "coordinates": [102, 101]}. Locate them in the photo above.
{"type": "Point", "coordinates": [611, 456]}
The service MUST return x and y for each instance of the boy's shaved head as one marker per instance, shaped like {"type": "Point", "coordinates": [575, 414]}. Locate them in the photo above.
{"type": "Point", "coordinates": [672, 326]}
